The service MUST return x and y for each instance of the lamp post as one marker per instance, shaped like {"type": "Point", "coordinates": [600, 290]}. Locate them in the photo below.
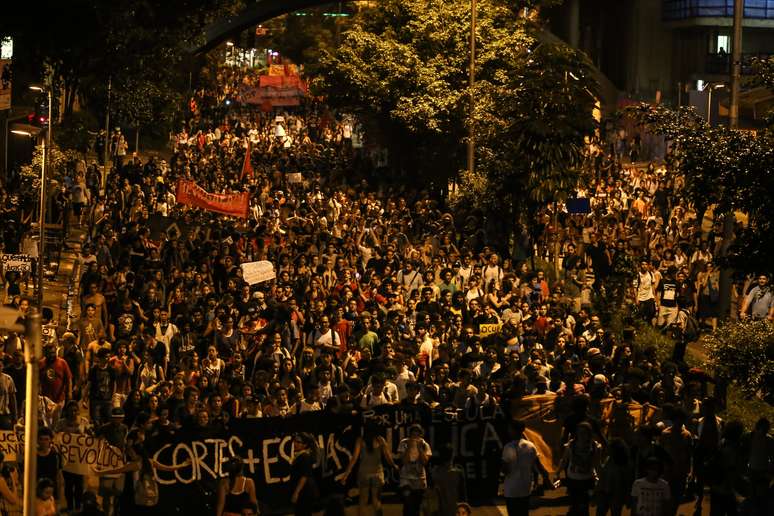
{"type": "Point", "coordinates": [472, 81]}
{"type": "Point", "coordinates": [107, 137]}
{"type": "Point", "coordinates": [736, 65]}
{"type": "Point", "coordinates": [710, 87]}
{"type": "Point", "coordinates": [43, 171]}
{"type": "Point", "coordinates": [10, 321]}
{"type": "Point", "coordinates": [32, 354]}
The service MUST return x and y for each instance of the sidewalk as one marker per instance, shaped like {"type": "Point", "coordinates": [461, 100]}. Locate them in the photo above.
{"type": "Point", "coordinates": [55, 291]}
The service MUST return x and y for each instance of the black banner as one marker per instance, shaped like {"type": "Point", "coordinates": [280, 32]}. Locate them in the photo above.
{"type": "Point", "coordinates": [477, 435]}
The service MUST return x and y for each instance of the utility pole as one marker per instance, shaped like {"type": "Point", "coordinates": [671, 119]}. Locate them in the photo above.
{"type": "Point", "coordinates": [32, 353]}
{"type": "Point", "coordinates": [736, 64]}
{"type": "Point", "coordinates": [729, 219]}
{"type": "Point", "coordinates": [107, 137]}
{"type": "Point", "coordinates": [472, 82]}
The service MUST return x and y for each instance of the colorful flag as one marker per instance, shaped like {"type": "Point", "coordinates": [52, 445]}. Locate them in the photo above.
{"type": "Point", "coordinates": [247, 167]}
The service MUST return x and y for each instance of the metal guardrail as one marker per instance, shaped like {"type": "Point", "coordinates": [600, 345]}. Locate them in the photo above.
{"type": "Point", "coordinates": [675, 10]}
{"type": "Point", "coordinates": [721, 63]}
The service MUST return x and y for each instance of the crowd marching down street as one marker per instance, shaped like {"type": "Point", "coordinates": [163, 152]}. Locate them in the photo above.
{"type": "Point", "coordinates": [268, 323]}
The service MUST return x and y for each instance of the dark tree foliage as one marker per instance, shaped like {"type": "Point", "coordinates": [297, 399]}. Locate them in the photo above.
{"type": "Point", "coordinates": [404, 65]}
{"type": "Point", "coordinates": [139, 44]}
{"type": "Point", "coordinates": [730, 169]}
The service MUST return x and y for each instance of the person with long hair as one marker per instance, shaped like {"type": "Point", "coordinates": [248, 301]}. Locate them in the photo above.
{"type": "Point", "coordinates": [371, 451]}
{"type": "Point", "coordinates": [138, 468]}
{"type": "Point", "coordinates": [9, 487]}
{"type": "Point", "coordinates": [302, 478]}
{"type": "Point", "coordinates": [236, 491]}
{"type": "Point", "coordinates": [579, 462]}
{"type": "Point", "coordinates": [414, 453]}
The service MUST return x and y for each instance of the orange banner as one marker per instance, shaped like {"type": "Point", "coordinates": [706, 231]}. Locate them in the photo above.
{"type": "Point", "coordinates": [543, 415]}
{"type": "Point", "coordinates": [191, 194]}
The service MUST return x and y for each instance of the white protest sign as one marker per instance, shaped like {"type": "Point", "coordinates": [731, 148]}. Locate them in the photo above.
{"type": "Point", "coordinates": [295, 177]}
{"type": "Point", "coordinates": [81, 453]}
{"type": "Point", "coordinates": [257, 272]}
{"type": "Point", "coordinates": [17, 262]}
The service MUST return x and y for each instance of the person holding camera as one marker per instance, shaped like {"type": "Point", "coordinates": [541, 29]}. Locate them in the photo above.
{"type": "Point", "coordinates": [414, 453]}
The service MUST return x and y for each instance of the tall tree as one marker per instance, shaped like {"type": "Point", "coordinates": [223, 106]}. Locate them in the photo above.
{"type": "Point", "coordinates": [140, 44]}
{"type": "Point", "coordinates": [405, 66]}
{"type": "Point", "coordinates": [729, 170]}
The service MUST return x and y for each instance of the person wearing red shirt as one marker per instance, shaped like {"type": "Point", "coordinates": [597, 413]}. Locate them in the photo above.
{"type": "Point", "coordinates": [56, 379]}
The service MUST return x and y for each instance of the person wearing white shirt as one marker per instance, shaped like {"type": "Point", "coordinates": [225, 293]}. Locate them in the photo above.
{"type": "Point", "coordinates": [520, 463]}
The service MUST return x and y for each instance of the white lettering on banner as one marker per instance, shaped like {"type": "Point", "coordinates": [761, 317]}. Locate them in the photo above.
{"type": "Point", "coordinates": [194, 470]}
{"type": "Point", "coordinates": [257, 272]}
{"type": "Point", "coordinates": [10, 445]}
{"type": "Point", "coordinates": [200, 453]}
{"type": "Point", "coordinates": [251, 461]}
{"type": "Point", "coordinates": [81, 453]}
{"type": "Point", "coordinates": [268, 461]}
{"type": "Point", "coordinates": [490, 436]}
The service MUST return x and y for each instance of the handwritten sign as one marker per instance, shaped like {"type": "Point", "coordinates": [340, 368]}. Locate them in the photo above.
{"type": "Point", "coordinates": [81, 454]}
{"type": "Point", "coordinates": [257, 272]}
{"type": "Point", "coordinates": [17, 262]}
{"type": "Point", "coordinates": [295, 177]}
{"type": "Point", "coordinates": [488, 329]}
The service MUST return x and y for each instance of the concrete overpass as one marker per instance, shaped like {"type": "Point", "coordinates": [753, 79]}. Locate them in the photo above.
{"type": "Point", "coordinates": [264, 10]}
{"type": "Point", "coordinates": [257, 13]}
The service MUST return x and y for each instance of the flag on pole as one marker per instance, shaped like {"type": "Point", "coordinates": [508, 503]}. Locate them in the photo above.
{"type": "Point", "coordinates": [247, 167]}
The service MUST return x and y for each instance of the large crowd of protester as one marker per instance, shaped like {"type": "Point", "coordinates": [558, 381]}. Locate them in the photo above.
{"type": "Point", "coordinates": [380, 296]}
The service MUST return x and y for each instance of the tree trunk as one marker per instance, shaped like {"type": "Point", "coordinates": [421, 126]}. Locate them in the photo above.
{"type": "Point", "coordinates": [724, 299]}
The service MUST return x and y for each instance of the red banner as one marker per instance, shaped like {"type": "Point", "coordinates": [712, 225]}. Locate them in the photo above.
{"type": "Point", "coordinates": [236, 204]}
{"type": "Point", "coordinates": [247, 167]}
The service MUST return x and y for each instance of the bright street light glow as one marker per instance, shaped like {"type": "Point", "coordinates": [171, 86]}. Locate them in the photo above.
{"type": "Point", "coordinates": [35, 87]}
{"type": "Point", "coordinates": [21, 132]}
{"type": "Point", "coordinates": [229, 43]}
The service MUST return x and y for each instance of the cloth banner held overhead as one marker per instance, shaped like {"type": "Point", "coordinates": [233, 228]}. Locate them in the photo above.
{"type": "Point", "coordinates": [265, 446]}
{"type": "Point", "coordinates": [257, 272]}
{"type": "Point", "coordinates": [191, 194]}
{"type": "Point", "coordinates": [283, 69]}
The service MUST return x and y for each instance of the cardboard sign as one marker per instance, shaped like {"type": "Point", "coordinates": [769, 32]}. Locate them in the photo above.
{"type": "Point", "coordinates": [257, 272]}
{"type": "Point", "coordinates": [295, 177]}
{"type": "Point", "coordinates": [17, 262]}
{"type": "Point", "coordinates": [489, 329]}
{"type": "Point", "coordinates": [81, 453]}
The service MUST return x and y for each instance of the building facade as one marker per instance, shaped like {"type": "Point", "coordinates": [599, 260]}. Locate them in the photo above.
{"type": "Point", "coordinates": [664, 48]}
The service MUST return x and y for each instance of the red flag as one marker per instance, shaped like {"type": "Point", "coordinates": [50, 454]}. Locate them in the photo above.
{"type": "Point", "coordinates": [247, 167]}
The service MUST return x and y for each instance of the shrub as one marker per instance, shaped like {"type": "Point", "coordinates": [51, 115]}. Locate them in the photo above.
{"type": "Point", "coordinates": [745, 350]}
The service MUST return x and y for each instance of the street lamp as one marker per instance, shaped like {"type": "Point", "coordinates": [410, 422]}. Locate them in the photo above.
{"type": "Point", "coordinates": [710, 87]}
{"type": "Point", "coordinates": [34, 330]}
{"type": "Point", "coordinates": [472, 82]}
{"type": "Point", "coordinates": [43, 171]}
